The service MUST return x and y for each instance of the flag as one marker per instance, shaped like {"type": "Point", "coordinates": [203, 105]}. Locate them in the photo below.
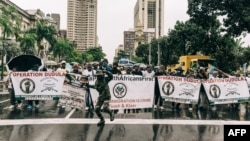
{"type": "Point", "coordinates": [211, 68]}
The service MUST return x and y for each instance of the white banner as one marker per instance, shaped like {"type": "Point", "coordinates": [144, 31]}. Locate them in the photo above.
{"type": "Point", "coordinates": [226, 90]}
{"type": "Point", "coordinates": [129, 92]}
{"type": "Point", "coordinates": [37, 85]}
{"type": "Point", "coordinates": [73, 94]}
{"type": "Point", "coordinates": [179, 89]}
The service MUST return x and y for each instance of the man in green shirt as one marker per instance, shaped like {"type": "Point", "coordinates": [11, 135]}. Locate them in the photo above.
{"type": "Point", "coordinates": [101, 85]}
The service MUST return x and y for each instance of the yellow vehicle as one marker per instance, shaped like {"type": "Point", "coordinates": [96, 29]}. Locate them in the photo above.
{"type": "Point", "coordinates": [193, 61]}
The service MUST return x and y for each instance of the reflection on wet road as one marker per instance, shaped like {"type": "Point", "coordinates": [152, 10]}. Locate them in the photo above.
{"type": "Point", "coordinates": [50, 123]}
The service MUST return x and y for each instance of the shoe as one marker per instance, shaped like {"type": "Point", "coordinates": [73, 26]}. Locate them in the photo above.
{"type": "Point", "coordinates": [155, 106]}
{"type": "Point", "coordinates": [190, 109]}
{"type": "Point", "coordinates": [63, 106]}
{"type": "Point", "coordinates": [59, 105]}
{"type": "Point", "coordinates": [162, 108]}
{"type": "Point", "coordinates": [213, 108]}
{"type": "Point", "coordinates": [12, 107]}
{"type": "Point", "coordinates": [20, 106]}
{"type": "Point", "coordinates": [86, 108]}
{"type": "Point", "coordinates": [101, 122]}
{"type": "Point", "coordinates": [112, 116]}
{"type": "Point", "coordinates": [29, 107]}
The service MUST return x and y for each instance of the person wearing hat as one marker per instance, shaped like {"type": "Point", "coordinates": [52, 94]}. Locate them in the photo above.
{"type": "Point", "coordinates": [76, 69]}
{"type": "Point", "coordinates": [63, 67]}
{"type": "Point", "coordinates": [101, 85]}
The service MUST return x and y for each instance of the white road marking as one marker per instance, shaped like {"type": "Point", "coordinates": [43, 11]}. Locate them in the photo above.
{"type": "Point", "coordinates": [4, 101]}
{"type": "Point", "coordinates": [121, 121]}
{"type": "Point", "coordinates": [70, 114]}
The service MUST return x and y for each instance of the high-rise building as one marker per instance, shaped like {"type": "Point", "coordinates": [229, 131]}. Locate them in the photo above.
{"type": "Point", "coordinates": [56, 18]}
{"type": "Point", "coordinates": [150, 13]}
{"type": "Point", "coordinates": [82, 23]}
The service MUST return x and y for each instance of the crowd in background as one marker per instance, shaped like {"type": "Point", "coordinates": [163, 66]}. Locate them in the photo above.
{"type": "Point", "coordinates": [89, 69]}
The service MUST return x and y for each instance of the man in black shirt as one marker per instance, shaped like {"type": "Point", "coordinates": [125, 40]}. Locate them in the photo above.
{"type": "Point", "coordinates": [115, 69]}
{"type": "Point", "coordinates": [137, 70]}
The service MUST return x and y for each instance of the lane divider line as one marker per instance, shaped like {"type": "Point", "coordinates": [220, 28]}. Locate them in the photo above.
{"type": "Point", "coordinates": [70, 114]}
{"type": "Point", "coordinates": [4, 101]}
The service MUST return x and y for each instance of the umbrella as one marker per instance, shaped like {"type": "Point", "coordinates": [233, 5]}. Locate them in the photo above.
{"type": "Point", "coordinates": [24, 62]}
{"type": "Point", "coordinates": [50, 63]}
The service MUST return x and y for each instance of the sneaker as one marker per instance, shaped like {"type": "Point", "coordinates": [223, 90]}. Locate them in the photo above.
{"type": "Point", "coordinates": [20, 106]}
{"type": "Point", "coordinates": [86, 108]}
{"type": "Point", "coordinates": [12, 107]}
{"type": "Point", "coordinates": [213, 108]}
{"type": "Point", "coordinates": [29, 107]}
{"type": "Point", "coordinates": [63, 106]}
{"type": "Point", "coordinates": [59, 105]}
{"type": "Point", "coordinates": [101, 122]}
{"type": "Point", "coordinates": [162, 108]}
{"type": "Point", "coordinates": [190, 109]}
{"type": "Point", "coordinates": [155, 106]}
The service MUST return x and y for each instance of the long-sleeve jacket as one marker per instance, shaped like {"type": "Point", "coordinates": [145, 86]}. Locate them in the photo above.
{"type": "Point", "coordinates": [102, 87]}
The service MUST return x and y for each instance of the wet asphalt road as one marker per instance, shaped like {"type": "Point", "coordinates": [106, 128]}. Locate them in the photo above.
{"type": "Point", "coordinates": [51, 123]}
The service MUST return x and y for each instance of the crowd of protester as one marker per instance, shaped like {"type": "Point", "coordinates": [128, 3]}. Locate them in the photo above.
{"type": "Point", "coordinates": [89, 69]}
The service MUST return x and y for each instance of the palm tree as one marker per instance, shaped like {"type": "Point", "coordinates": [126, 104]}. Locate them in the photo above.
{"type": "Point", "coordinates": [61, 49]}
{"type": "Point", "coordinates": [27, 43]}
{"type": "Point", "coordinates": [9, 21]}
{"type": "Point", "coordinates": [44, 32]}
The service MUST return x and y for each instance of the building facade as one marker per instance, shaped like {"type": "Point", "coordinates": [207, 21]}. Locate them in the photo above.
{"type": "Point", "coordinates": [120, 47]}
{"type": "Point", "coordinates": [57, 19]}
{"type": "Point", "coordinates": [82, 23]}
{"type": "Point", "coordinates": [150, 13]}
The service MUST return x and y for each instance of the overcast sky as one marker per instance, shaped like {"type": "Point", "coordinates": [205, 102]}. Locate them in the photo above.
{"type": "Point", "coordinates": [114, 17]}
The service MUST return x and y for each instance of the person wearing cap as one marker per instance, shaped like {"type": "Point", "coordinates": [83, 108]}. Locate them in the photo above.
{"type": "Point", "coordinates": [63, 68]}
{"type": "Point", "coordinates": [76, 69]}
{"type": "Point", "coordinates": [101, 85]}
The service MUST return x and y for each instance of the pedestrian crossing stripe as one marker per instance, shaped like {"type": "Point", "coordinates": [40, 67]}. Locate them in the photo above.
{"type": "Point", "coordinates": [119, 121]}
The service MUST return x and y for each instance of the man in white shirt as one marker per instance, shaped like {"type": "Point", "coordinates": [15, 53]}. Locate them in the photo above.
{"type": "Point", "coordinates": [149, 72]}
{"type": "Point", "coordinates": [89, 71]}
{"type": "Point", "coordinates": [63, 68]}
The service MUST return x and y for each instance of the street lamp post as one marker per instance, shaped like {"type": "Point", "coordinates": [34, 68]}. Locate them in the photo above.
{"type": "Point", "coordinates": [149, 54]}
{"type": "Point", "coordinates": [159, 54]}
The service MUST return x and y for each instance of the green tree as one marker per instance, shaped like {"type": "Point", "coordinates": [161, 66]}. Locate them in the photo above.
{"type": "Point", "coordinates": [143, 51]}
{"type": "Point", "coordinates": [27, 43]}
{"type": "Point", "coordinates": [46, 32]}
{"type": "Point", "coordinates": [8, 21]}
{"type": "Point", "coordinates": [94, 54]}
{"type": "Point", "coordinates": [235, 14]}
{"type": "Point", "coordinates": [75, 56]}
{"type": "Point", "coordinates": [62, 49]}
{"type": "Point", "coordinates": [168, 55]}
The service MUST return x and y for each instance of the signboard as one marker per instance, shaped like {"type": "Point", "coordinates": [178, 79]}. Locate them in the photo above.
{"type": "Point", "coordinates": [226, 90]}
{"type": "Point", "coordinates": [37, 85]}
{"type": "Point", "coordinates": [179, 89]}
{"type": "Point", "coordinates": [129, 92]}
